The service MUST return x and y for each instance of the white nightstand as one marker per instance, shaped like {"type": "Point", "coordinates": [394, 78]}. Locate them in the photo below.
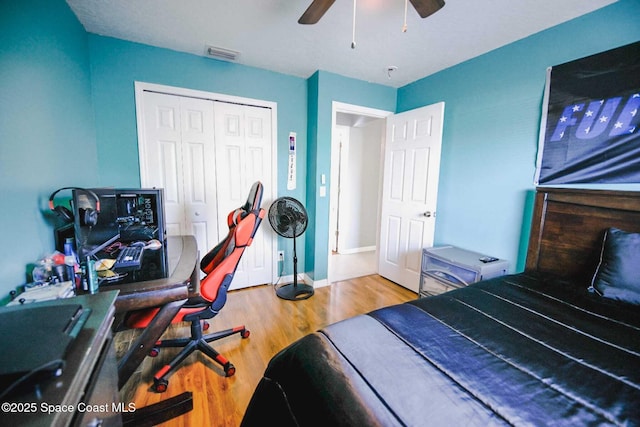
{"type": "Point", "coordinates": [445, 268]}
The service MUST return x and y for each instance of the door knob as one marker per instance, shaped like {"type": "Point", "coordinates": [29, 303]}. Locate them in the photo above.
{"type": "Point", "coordinates": [197, 213]}
{"type": "Point", "coordinates": [428, 214]}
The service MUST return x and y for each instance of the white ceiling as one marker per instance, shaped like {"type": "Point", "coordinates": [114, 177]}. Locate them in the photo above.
{"type": "Point", "coordinates": [267, 35]}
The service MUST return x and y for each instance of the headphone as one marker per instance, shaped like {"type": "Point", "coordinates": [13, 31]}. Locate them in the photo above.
{"type": "Point", "coordinates": [88, 216]}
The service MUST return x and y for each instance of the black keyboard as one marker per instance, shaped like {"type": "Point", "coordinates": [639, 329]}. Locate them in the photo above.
{"type": "Point", "coordinates": [129, 258]}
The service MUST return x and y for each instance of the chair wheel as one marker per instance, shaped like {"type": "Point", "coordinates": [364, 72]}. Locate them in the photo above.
{"type": "Point", "coordinates": [160, 386]}
{"type": "Point", "coordinates": [245, 333]}
{"type": "Point", "coordinates": [229, 369]}
{"type": "Point", "coordinates": [154, 352]}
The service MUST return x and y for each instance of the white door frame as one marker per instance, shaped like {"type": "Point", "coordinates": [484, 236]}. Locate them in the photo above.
{"type": "Point", "coordinates": [341, 107]}
{"type": "Point", "coordinates": [141, 87]}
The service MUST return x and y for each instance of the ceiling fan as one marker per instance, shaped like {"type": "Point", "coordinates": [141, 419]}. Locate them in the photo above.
{"type": "Point", "coordinates": [317, 8]}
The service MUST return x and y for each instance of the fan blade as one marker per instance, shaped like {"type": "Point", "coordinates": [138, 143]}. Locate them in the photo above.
{"type": "Point", "coordinates": [427, 7]}
{"type": "Point", "coordinates": [315, 11]}
{"type": "Point", "coordinates": [281, 206]}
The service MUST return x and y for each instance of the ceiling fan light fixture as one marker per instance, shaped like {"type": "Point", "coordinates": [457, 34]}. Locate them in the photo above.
{"type": "Point", "coordinates": [221, 53]}
{"type": "Point", "coordinates": [318, 8]}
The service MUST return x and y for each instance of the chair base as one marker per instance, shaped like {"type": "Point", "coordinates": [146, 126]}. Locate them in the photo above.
{"type": "Point", "coordinates": [294, 291]}
{"type": "Point", "coordinates": [197, 342]}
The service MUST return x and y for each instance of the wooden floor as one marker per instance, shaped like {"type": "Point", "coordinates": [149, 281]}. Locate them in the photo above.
{"type": "Point", "coordinates": [274, 323]}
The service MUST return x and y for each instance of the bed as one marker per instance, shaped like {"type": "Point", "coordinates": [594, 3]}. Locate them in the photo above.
{"type": "Point", "coordinates": [558, 344]}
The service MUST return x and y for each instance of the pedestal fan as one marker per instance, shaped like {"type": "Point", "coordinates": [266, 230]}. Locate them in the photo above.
{"type": "Point", "coordinates": [288, 218]}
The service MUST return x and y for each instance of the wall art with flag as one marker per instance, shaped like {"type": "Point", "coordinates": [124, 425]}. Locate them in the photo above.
{"type": "Point", "coordinates": [590, 128]}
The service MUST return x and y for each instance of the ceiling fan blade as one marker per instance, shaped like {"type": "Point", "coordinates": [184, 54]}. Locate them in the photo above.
{"type": "Point", "coordinates": [315, 11]}
{"type": "Point", "coordinates": [427, 7]}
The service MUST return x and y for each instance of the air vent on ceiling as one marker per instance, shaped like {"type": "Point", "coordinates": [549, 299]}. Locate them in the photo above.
{"type": "Point", "coordinates": [221, 53]}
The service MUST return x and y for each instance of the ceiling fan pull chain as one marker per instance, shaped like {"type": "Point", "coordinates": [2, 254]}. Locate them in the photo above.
{"type": "Point", "coordinates": [404, 27]}
{"type": "Point", "coordinates": [353, 33]}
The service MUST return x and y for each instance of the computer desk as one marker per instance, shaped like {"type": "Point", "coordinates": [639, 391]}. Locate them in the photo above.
{"type": "Point", "coordinates": [85, 354]}
{"type": "Point", "coordinates": [169, 294]}
{"type": "Point", "coordinates": [88, 378]}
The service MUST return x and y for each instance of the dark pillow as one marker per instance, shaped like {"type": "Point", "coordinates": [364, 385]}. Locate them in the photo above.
{"type": "Point", "coordinates": [618, 273]}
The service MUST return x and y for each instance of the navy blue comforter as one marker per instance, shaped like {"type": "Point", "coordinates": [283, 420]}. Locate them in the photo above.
{"type": "Point", "coordinates": [516, 350]}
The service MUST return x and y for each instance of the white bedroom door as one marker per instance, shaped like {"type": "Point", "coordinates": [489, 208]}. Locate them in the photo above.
{"type": "Point", "coordinates": [409, 192]}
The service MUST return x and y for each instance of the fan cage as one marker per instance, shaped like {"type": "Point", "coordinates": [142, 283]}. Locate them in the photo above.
{"type": "Point", "coordinates": [288, 217]}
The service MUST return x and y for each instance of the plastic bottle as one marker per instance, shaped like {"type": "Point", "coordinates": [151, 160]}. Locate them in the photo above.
{"type": "Point", "coordinates": [92, 275]}
{"type": "Point", "coordinates": [70, 259]}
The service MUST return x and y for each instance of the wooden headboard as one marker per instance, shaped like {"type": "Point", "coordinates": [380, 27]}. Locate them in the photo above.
{"type": "Point", "coordinates": [568, 227]}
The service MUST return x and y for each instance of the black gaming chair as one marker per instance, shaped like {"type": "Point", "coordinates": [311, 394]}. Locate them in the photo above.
{"type": "Point", "coordinates": [220, 265]}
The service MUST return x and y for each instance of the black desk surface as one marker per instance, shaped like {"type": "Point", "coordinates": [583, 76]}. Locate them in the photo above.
{"type": "Point", "coordinates": [28, 409]}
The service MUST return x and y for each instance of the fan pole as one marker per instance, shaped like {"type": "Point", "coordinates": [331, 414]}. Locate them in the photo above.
{"type": "Point", "coordinates": [295, 264]}
{"type": "Point", "coordinates": [295, 291]}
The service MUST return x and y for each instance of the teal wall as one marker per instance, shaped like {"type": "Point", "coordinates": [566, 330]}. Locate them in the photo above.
{"type": "Point", "coordinates": [324, 88]}
{"type": "Point", "coordinates": [492, 116]}
{"type": "Point", "coordinates": [47, 134]}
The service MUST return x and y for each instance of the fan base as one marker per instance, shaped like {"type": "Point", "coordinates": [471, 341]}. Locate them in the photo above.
{"type": "Point", "coordinates": [294, 292]}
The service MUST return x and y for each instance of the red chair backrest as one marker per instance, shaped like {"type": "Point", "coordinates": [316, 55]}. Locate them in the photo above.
{"type": "Point", "coordinates": [222, 261]}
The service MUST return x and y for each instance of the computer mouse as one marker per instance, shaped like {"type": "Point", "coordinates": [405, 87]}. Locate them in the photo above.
{"type": "Point", "coordinates": [153, 244]}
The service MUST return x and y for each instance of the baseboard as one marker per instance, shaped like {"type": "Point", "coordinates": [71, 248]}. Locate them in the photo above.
{"type": "Point", "coordinates": [306, 279]}
{"type": "Point", "coordinates": [317, 283]}
{"type": "Point", "coordinates": [357, 250]}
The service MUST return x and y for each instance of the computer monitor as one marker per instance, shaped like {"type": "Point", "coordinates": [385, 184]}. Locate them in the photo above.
{"type": "Point", "coordinates": [141, 218]}
{"type": "Point", "coordinates": [140, 214]}
{"type": "Point", "coordinates": [125, 216]}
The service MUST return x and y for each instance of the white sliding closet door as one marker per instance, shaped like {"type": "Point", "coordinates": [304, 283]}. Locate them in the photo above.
{"type": "Point", "coordinates": [178, 155]}
{"type": "Point", "coordinates": [243, 154]}
{"type": "Point", "coordinates": [206, 154]}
